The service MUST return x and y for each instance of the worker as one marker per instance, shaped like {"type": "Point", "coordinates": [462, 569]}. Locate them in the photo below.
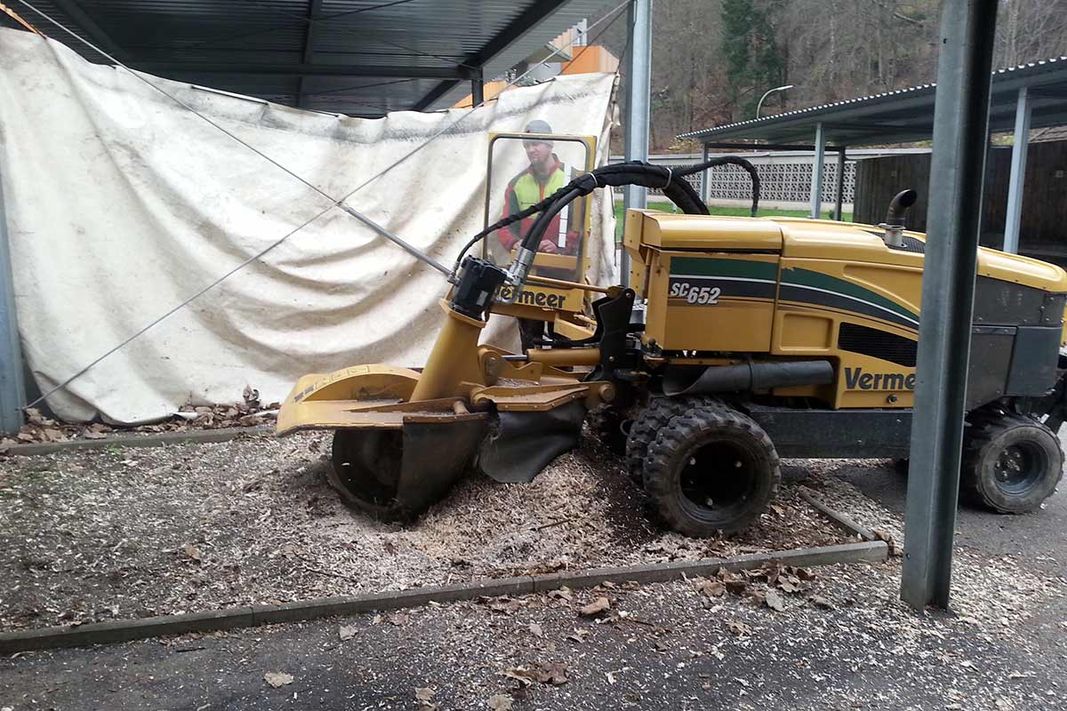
{"type": "Point", "coordinates": [544, 176]}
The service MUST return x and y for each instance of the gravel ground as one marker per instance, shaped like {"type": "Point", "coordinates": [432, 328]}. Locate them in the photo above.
{"type": "Point", "coordinates": [830, 638]}
{"type": "Point", "coordinates": [842, 641]}
{"type": "Point", "coordinates": [92, 535]}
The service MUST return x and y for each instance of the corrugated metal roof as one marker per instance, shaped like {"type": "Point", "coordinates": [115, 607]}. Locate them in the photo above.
{"type": "Point", "coordinates": [360, 57]}
{"type": "Point", "coordinates": [905, 114]}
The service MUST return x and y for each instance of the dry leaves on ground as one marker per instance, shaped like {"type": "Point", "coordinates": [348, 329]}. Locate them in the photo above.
{"type": "Point", "coordinates": [277, 679]}
{"type": "Point", "coordinates": [500, 702]}
{"type": "Point", "coordinates": [424, 695]}
{"type": "Point", "coordinates": [554, 673]}
{"type": "Point", "coordinates": [601, 604]}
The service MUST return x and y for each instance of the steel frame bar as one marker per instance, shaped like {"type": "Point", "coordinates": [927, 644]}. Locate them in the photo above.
{"type": "Point", "coordinates": [314, 10]}
{"type": "Point", "coordinates": [961, 117]}
{"type": "Point", "coordinates": [839, 187]}
{"type": "Point", "coordinates": [1017, 181]}
{"type": "Point", "coordinates": [12, 386]}
{"type": "Point", "coordinates": [638, 91]}
{"type": "Point", "coordinates": [816, 172]}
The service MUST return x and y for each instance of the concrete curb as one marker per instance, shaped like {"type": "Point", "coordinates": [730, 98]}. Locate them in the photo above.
{"type": "Point", "coordinates": [159, 439]}
{"type": "Point", "coordinates": [127, 630]}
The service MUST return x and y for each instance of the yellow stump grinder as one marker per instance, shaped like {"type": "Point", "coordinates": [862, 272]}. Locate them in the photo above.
{"type": "Point", "coordinates": [742, 341]}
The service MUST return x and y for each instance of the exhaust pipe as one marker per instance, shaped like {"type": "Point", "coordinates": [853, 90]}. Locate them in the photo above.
{"type": "Point", "coordinates": [895, 218]}
{"type": "Point", "coordinates": [746, 377]}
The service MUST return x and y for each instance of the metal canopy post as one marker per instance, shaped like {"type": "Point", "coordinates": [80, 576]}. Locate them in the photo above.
{"type": "Point", "coordinates": [12, 388]}
{"type": "Point", "coordinates": [477, 89]}
{"type": "Point", "coordinates": [639, 86]}
{"type": "Point", "coordinates": [816, 171]}
{"type": "Point", "coordinates": [961, 117]}
{"type": "Point", "coordinates": [1013, 221]}
{"type": "Point", "coordinates": [840, 187]}
{"type": "Point", "coordinates": [705, 184]}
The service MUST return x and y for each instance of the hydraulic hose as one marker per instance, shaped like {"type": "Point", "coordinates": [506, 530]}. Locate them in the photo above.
{"type": "Point", "coordinates": [671, 181]}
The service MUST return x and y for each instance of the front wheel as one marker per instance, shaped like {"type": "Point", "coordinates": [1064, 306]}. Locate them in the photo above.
{"type": "Point", "coordinates": [711, 470]}
{"type": "Point", "coordinates": [1011, 463]}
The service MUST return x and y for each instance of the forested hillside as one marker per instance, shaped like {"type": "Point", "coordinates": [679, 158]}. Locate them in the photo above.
{"type": "Point", "coordinates": [713, 59]}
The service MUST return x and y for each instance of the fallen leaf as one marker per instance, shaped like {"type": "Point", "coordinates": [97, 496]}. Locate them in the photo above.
{"type": "Point", "coordinates": [347, 632]}
{"type": "Point", "coordinates": [505, 604]}
{"type": "Point", "coordinates": [424, 695]}
{"type": "Point", "coordinates": [535, 630]}
{"type": "Point", "coordinates": [774, 600]}
{"type": "Point", "coordinates": [821, 602]}
{"type": "Point", "coordinates": [500, 702]}
{"type": "Point", "coordinates": [520, 674]}
{"type": "Point", "coordinates": [601, 604]}
{"type": "Point", "coordinates": [91, 434]}
{"type": "Point", "coordinates": [712, 588]}
{"type": "Point", "coordinates": [578, 635]}
{"type": "Point", "coordinates": [277, 679]}
{"type": "Point", "coordinates": [563, 593]}
{"type": "Point", "coordinates": [399, 618]}
{"type": "Point", "coordinates": [552, 673]}
{"type": "Point", "coordinates": [738, 628]}
{"type": "Point", "coordinates": [191, 551]}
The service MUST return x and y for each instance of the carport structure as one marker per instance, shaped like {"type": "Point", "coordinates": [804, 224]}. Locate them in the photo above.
{"type": "Point", "coordinates": [363, 58]}
{"type": "Point", "coordinates": [357, 57]}
{"type": "Point", "coordinates": [1025, 97]}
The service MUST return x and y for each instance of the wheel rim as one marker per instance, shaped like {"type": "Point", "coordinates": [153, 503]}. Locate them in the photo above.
{"type": "Point", "coordinates": [1019, 467]}
{"type": "Point", "coordinates": [716, 480]}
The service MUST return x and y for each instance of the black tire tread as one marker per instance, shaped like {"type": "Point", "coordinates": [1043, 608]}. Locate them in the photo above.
{"type": "Point", "coordinates": [673, 436]}
{"type": "Point", "coordinates": [984, 427]}
{"type": "Point", "coordinates": [647, 425]}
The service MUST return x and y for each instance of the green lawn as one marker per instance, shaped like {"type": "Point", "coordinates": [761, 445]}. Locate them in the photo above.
{"type": "Point", "coordinates": [728, 211]}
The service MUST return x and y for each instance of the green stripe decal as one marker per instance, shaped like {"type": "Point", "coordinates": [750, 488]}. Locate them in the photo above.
{"type": "Point", "coordinates": [818, 280]}
{"type": "Point", "coordinates": [746, 268]}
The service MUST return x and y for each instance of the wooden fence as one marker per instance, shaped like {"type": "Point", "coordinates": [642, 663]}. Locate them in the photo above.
{"type": "Point", "coordinates": [1043, 233]}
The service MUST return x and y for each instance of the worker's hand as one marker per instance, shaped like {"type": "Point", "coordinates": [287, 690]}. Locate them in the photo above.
{"type": "Point", "coordinates": [548, 247]}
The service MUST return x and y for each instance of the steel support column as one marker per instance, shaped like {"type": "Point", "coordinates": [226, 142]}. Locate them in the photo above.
{"type": "Point", "coordinates": [840, 187]}
{"type": "Point", "coordinates": [1013, 221]}
{"type": "Point", "coordinates": [816, 172]}
{"type": "Point", "coordinates": [961, 116]}
{"type": "Point", "coordinates": [705, 184]}
{"type": "Point", "coordinates": [639, 88]}
{"type": "Point", "coordinates": [477, 89]}
{"type": "Point", "coordinates": [12, 388]}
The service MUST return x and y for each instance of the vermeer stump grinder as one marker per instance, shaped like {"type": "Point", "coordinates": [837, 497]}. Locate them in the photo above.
{"type": "Point", "coordinates": [742, 341]}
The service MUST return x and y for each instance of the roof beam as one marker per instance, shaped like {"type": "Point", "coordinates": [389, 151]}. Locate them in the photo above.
{"type": "Point", "coordinates": [456, 73]}
{"type": "Point", "coordinates": [533, 15]}
{"type": "Point", "coordinates": [86, 24]}
{"type": "Point", "coordinates": [314, 8]}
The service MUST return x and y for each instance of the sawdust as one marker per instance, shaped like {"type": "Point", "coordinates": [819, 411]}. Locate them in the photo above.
{"type": "Point", "coordinates": [122, 533]}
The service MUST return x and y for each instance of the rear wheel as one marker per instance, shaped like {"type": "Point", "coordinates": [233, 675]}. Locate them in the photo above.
{"type": "Point", "coordinates": [711, 470]}
{"type": "Point", "coordinates": [1011, 463]}
{"type": "Point", "coordinates": [366, 471]}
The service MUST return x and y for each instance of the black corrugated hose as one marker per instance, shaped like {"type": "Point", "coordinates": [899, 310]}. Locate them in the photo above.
{"type": "Point", "coordinates": [671, 181]}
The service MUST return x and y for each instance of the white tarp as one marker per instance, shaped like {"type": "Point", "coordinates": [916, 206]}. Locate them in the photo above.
{"type": "Point", "coordinates": [121, 204]}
